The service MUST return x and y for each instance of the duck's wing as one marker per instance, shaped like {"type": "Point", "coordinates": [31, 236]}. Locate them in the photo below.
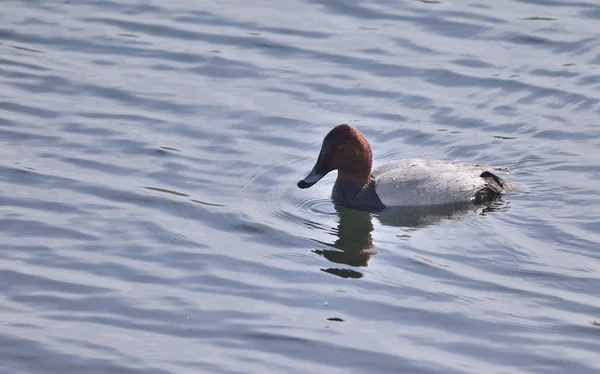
{"type": "Point", "coordinates": [417, 182]}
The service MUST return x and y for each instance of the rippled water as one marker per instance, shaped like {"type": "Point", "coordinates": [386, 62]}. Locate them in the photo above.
{"type": "Point", "coordinates": [151, 221]}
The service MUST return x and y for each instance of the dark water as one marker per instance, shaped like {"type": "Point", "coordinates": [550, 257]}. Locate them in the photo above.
{"type": "Point", "coordinates": [151, 223]}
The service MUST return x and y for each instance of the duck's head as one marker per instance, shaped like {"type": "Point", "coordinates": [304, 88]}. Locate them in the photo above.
{"type": "Point", "coordinates": [346, 150]}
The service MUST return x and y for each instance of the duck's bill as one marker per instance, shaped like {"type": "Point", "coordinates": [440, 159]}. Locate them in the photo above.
{"type": "Point", "coordinates": [313, 177]}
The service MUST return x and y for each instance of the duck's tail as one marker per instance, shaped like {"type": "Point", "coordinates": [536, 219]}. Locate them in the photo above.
{"type": "Point", "coordinates": [495, 187]}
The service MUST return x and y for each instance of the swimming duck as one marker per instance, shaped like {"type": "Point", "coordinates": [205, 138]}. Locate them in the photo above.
{"type": "Point", "coordinates": [408, 182]}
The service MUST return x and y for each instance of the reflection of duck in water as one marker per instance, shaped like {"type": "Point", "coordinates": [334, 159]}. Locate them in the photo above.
{"type": "Point", "coordinates": [354, 243]}
{"type": "Point", "coordinates": [423, 216]}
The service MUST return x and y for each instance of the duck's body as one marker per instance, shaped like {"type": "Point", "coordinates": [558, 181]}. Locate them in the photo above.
{"type": "Point", "coordinates": [409, 182]}
{"type": "Point", "coordinates": [416, 182]}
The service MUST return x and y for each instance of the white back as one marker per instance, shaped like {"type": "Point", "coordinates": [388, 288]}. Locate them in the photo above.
{"type": "Point", "coordinates": [417, 182]}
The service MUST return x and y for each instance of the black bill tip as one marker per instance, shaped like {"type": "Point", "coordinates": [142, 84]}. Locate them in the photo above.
{"type": "Point", "coordinates": [304, 184]}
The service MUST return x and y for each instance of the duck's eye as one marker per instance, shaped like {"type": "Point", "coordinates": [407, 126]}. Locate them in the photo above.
{"type": "Point", "coordinates": [339, 148]}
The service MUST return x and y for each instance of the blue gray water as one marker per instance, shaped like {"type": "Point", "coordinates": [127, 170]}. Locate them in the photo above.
{"type": "Point", "coordinates": [151, 223]}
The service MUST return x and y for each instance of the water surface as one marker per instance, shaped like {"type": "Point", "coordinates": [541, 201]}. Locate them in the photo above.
{"type": "Point", "coordinates": [150, 216]}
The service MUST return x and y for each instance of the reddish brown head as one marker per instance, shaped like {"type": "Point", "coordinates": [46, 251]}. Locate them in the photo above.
{"type": "Point", "coordinates": [346, 150]}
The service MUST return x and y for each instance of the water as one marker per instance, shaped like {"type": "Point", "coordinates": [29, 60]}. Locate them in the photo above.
{"type": "Point", "coordinates": [151, 220]}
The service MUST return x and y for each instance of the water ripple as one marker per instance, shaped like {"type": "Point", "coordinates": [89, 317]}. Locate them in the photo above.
{"type": "Point", "coordinates": [149, 158]}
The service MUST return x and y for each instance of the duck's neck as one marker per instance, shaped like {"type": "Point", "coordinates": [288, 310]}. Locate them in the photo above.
{"type": "Point", "coordinates": [356, 195]}
{"type": "Point", "coordinates": [355, 177]}
{"type": "Point", "coordinates": [359, 171]}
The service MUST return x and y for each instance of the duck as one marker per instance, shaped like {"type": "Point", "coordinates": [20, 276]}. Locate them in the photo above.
{"type": "Point", "coordinates": [402, 183]}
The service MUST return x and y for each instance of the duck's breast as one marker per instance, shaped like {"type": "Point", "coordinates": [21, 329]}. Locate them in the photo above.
{"type": "Point", "coordinates": [417, 182]}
